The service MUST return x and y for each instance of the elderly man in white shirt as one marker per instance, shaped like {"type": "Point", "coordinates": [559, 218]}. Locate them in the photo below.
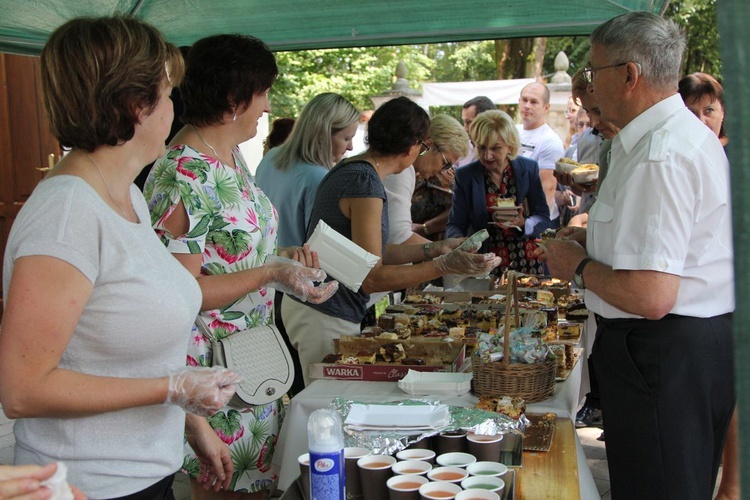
{"type": "Point", "coordinates": [657, 268]}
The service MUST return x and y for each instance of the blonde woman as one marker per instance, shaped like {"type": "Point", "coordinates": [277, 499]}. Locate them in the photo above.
{"type": "Point", "coordinates": [500, 173]}
{"type": "Point", "coordinates": [289, 175]}
{"type": "Point", "coordinates": [419, 199]}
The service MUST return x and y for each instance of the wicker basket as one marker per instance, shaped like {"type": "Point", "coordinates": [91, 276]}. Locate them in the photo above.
{"type": "Point", "coordinates": [533, 383]}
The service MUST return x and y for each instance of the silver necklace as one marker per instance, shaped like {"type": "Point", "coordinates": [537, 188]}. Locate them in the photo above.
{"type": "Point", "coordinates": [106, 186]}
{"type": "Point", "coordinates": [209, 146]}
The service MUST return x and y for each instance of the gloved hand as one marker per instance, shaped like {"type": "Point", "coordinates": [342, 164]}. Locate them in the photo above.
{"type": "Point", "coordinates": [202, 391]}
{"type": "Point", "coordinates": [289, 276]}
{"type": "Point", "coordinates": [460, 262]}
{"type": "Point", "coordinates": [445, 246]}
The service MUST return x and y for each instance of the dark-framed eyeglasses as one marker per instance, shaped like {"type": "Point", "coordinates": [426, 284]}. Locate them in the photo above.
{"type": "Point", "coordinates": [589, 72]}
{"type": "Point", "coordinates": [425, 148]}
{"type": "Point", "coordinates": [447, 165]}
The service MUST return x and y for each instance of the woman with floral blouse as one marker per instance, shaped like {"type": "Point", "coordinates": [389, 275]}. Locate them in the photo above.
{"type": "Point", "coordinates": [209, 213]}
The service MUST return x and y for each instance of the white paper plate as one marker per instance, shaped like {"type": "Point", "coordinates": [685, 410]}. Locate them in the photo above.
{"type": "Point", "coordinates": [435, 383]}
{"type": "Point", "coordinates": [375, 416]}
{"type": "Point", "coordinates": [340, 257]}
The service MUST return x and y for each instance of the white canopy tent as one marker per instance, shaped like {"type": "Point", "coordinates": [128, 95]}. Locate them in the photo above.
{"type": "Point", "coordinates": [457, 93]}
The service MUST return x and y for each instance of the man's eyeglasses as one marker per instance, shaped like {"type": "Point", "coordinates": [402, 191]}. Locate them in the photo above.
{"type": "Point", "coordinates": [425, 148]}
{"type": "Point", "coordinates": [589, 72]}
{"type": "Point", "coordinates": [447, 165]}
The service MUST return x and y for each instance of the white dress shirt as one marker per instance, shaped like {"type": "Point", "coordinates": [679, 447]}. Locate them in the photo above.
{"type": "Point", "coordinates": [664, 206]}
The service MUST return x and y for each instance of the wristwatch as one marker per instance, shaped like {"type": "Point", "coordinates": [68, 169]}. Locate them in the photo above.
{"type": "Point", "coordinates": [578, 276]}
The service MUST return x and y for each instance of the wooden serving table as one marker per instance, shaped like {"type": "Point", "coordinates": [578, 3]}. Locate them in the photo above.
{"type": "Point", "coordinates": [561, 472]}
{"type": "Point", "coordinates": [554, 473]}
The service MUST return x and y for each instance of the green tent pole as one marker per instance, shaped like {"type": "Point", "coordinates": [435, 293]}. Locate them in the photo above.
{"type": "Point", "coordinates": [734, 18]}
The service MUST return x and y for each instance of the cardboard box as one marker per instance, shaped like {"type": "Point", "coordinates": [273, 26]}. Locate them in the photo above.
{"type": "Point", "coordinates": [391, 372]}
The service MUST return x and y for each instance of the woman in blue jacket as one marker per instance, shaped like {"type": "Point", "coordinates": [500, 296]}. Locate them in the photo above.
{"type": "Point", "coordinates": [500, 174]}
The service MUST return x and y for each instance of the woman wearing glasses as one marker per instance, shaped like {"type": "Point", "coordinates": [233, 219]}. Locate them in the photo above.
{"type": "Point", "coordinates": [500, 174]}
{"type": "Point", "coordinates": [414, 215]}
{"type": "Point", "coordinates": [352, 200]}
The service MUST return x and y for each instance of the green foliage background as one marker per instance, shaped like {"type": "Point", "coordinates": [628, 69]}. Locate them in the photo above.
{"type": "Point", "coordinates": [358, 73]}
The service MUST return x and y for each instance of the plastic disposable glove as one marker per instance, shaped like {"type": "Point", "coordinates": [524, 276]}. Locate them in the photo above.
{"type": "Point", "coordinates": [289, 276]}
{"type": "Point", "coordinates": [445, 246]}
{"type": "Point", "coordinates": [202, 391]}
{"type": "Point", "coordinates": [460, 262]}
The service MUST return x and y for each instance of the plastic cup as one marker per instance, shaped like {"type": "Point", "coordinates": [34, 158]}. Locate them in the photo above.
{"type": "Point", "coordinates": [447, 474]}
{"type": "Point", "coordinates": [439, 491]}
{"type": "Point", "coordinates": [489, 483]}
{"type": "Point", "coordinates": [418, 467]}
{"type": "Point", "coordinates": [405, 487]}
{"type": "Point", "coordinates": [374, 472]}
{"type": "Point", "coordinates": [455, 459]}
{"type": "Point", "coordinates": [485, 447]}
{"type": "Point", "coordinates": [353, 483]}
{"type": "Point", "coordinates": [416, 454]}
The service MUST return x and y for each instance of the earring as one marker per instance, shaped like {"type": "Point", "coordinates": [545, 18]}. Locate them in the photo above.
{"type": "Point", "coordinates": [234, 118]}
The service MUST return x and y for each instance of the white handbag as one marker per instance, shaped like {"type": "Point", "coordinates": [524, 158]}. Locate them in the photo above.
{"type": "Point", "coordinates": [260, 356]}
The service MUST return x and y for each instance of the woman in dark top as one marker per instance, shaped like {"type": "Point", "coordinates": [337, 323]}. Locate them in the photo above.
{"type": "Point", "coordinates": [500, 173]}
{"type": "Point", "coordinates": [351, 199]}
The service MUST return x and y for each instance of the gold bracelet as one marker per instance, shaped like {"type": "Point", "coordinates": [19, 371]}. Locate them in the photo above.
{"type": "Point", "coordinates": [426, 250]}
{"type": "Point", "coordinates": [426, 232]}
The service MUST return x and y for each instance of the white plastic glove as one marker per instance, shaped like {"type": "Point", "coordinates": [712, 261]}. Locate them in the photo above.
{"type": "Point", "coordinates": [289, 276]}
{"type": "Point", "coordinates": [202, 391]}
{"type": "Point", "coordinates": [445, 246]}
{"type": "Point", "coordinates": [460, 262]}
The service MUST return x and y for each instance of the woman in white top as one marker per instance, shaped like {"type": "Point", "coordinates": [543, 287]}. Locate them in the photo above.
{"type": "Point", "coordinates": [97, 312]}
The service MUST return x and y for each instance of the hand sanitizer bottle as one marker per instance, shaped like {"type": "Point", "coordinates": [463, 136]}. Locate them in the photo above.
{"type": "Point", "coordinates": [326, 441]}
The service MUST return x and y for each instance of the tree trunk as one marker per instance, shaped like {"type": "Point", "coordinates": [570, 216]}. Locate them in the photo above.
{"type": "Point", "coordinates": [537, 59]}
{"type": "Point", "coordinates": [511, 56]}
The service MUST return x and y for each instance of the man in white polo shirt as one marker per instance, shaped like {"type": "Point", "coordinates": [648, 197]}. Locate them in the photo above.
{"type": "Point", "coordinates": [539, 142]}
{"type": "Point", "coordinates": [657, 269]}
